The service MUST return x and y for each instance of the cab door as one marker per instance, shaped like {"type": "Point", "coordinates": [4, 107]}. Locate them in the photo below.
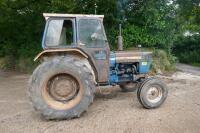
{"type": "Point", "coordinates": [91, 38]}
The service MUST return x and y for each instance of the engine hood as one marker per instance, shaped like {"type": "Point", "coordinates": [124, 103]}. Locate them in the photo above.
{"type": "Point", "coordinates": [132, 56]}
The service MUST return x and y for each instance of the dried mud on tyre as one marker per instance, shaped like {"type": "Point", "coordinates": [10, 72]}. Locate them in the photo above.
{"type": "Point", "coordinates": [52, 103]}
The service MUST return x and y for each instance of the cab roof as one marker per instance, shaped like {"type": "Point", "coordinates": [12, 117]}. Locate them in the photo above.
{"type": "Point", "coordinates": [47, 15]}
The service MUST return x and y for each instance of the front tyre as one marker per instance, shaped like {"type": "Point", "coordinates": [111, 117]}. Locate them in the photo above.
{"type": "Point", "coordinates": [152, 93]}
{"type": "Point", "coordinates": [61, 88]}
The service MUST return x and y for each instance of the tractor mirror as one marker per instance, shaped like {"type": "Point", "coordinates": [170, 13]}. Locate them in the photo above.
{"type": "Point", "coordinates": [94, 36]}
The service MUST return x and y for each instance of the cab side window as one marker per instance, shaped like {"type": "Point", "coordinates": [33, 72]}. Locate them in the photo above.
{"type": "Point", "coordinates": [59, 33]}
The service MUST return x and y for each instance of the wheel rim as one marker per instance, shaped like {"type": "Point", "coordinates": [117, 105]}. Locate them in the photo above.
{"type": "Point", "coordinates": [154, 94]}
{"type": "Point", "coordinates": [62, 88]}
{"type": "Point", "coordinates": [62, 91]}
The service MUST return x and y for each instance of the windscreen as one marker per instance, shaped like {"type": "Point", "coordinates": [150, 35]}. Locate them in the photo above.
{"type": "Point", "coordinates": [91, 33]}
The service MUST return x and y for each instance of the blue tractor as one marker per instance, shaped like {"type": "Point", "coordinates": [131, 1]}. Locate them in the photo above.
{"type": "Point", "coordinates": [77, 58]}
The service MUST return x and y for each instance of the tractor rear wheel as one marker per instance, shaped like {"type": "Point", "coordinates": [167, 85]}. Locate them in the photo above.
{"type": "Point", "coordinates": [62, 88]}
{"type": "Point", "coordinates": [152, 93]}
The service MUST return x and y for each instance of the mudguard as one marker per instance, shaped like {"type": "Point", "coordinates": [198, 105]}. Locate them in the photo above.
{"type": "Point", "coordinates": [74, 51]}
{"type": "Point", "coordinates": [41, 54]}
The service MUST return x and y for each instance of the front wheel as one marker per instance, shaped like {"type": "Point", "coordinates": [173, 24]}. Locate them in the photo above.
{"type": "Point", "coordinates": [152, 93]}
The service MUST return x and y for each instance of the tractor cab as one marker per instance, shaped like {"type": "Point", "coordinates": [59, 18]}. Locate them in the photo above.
{"type": "Point", "coordinates": [68, 30]}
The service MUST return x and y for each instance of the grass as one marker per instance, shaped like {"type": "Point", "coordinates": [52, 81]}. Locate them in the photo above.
{"type": "Point", "coordinates": [162, 62]}
{"type": "Point", "coordinates": [195, 64]}
{"type": "Point", "coordinates": [26, 65]}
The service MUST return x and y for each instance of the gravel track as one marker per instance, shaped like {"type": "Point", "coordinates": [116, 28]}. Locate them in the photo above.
{"type": "Point", "coordinates": [112, 111]}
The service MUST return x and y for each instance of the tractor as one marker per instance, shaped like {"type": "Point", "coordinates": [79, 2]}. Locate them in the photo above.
{"type": "Point", "coordinates": [76, 59]}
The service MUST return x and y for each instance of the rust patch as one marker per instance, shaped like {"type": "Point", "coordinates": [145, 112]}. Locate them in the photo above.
{"type": "Point", "coordinates": [59, 50]}
{"type": "Point", "coordinates": [130, 56]}
{"type": "Point", "coordinates": [62, 104]}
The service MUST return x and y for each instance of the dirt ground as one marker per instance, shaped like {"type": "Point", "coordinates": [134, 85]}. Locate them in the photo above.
{"type": "Point", "coordinates": [112, 111]}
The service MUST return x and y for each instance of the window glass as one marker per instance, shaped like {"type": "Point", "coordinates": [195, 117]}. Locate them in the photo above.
{"type": "Point", "coordinates": [91, 33]}
{"type": "Point", "coordinates": [59, 33]}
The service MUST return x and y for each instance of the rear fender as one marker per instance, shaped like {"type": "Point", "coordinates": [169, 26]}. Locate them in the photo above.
{"type": "Point", "coordinates": [76, 52]}
{"type": "Point", "coordinates": [50, 52]}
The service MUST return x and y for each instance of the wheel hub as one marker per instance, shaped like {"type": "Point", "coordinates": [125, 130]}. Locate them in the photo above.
{"type": "Point", "coordinates": [63, 88]}
{"type": "Point", "coordinates": [154, 94]}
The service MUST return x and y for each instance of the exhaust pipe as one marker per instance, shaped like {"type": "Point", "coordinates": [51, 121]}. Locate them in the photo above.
{"type": "Point", "coordinates": [120, 39]}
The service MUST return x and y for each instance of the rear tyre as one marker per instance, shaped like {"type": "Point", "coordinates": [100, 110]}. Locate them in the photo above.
{"type": "Point", "coordinates": [152, 93]}
{"type": "Point", "coordinates": [128, 87]}
{"type": "Point", "coordinates": [62, 88]}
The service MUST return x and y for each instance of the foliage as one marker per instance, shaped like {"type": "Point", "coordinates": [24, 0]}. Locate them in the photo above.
{"type": "Point", "coordinates": [188, 15]}
{"type": "Point", "coordinates": [6, 63]}
{"type": "Point", "coordinates": [196, 64]}
{"type": "Point", "coordinates": [26, 65]}
{"type": "Point", "coordinates": [21, 27]}
{"type": "Point", "coordinates": [151, 23]}
{"type": "Point", "coordinates": [188, 49]}
{"type": "Point", "coordinates": [162, 61]}
{"type": "Point", "coordinates": [155, 24]}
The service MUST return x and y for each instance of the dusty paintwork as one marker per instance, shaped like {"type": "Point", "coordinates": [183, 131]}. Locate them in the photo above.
{"type": "Point", "coordinates": [49, 51]}
{"type": "Point", "coordinates": [130, 56]}
{"type": "Point", "coordinates": [101, 65]}
{"type": "Point", "coordinates": [52, 92]}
